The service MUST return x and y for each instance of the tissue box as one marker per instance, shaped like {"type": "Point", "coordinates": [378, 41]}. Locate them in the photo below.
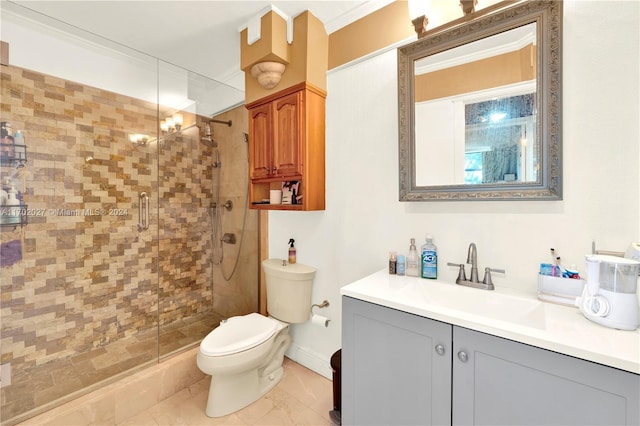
{"type": "Point", "coordinates": [563, 291]}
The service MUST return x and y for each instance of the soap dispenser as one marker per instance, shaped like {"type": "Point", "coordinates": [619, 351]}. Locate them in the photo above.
{"type": "Point", "coordinates": [292, 251]}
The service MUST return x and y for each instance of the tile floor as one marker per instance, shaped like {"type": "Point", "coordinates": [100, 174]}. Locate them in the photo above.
{"type": "Point", "coordinates": [303, 397]}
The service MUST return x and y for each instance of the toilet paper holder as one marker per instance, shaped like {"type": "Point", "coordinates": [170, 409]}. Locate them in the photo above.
{"type": "Point", "coordinates": [324, 304]}
{"type": "Point", "coordinates": [319, 319]}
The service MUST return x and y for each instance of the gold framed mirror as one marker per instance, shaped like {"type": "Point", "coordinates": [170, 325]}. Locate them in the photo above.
{"type": "Point", "coordinates": [479, 108]}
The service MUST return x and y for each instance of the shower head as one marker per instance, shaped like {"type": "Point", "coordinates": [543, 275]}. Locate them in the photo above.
{"type": "Point", "coordinates": [209, 141]}
{"type": "Point", "coordinates": [208, 137]}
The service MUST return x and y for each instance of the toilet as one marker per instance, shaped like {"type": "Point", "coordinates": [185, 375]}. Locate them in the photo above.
{"type": "Point", "coordinates": [244, 354]}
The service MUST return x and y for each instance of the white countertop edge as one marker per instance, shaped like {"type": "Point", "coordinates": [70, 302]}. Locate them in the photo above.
{"type": "Point", "coordinates": [566, 336]}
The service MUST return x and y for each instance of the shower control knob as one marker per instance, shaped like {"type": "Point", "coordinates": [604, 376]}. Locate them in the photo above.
{"type": "Point", "coordinates": [462, 356]}
{"type": "Point", "coordinates": [440, 349]}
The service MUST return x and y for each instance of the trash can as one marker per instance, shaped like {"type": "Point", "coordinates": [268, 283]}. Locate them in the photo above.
{"type": "Point", "coordinates": [336, 363]}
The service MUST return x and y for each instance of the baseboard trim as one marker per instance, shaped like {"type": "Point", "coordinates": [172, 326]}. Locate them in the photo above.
{"type": "Point", "coordinates": [310, 359]}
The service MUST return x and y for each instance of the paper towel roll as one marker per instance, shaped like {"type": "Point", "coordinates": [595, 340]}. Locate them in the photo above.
{"type": "Point", "coordinates": [320, 320]}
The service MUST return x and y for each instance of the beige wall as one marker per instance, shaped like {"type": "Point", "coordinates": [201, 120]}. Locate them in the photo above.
{"type": "Point", "coordinates": [371, 33]}
{"type": "Point", "coordinates": [496, 71]}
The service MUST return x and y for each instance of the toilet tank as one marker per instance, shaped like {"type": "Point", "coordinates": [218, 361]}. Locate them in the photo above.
{"type": "Point", "coordinates": [288, 290]}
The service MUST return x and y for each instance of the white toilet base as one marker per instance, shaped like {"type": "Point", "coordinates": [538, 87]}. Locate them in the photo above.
{"type": "Point", "coordinates": [232, 390]}
{"type": "Point", "coordinates": [232, 393]}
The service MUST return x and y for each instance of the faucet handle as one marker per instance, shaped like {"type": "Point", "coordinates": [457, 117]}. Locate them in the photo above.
{"type": "Point", "coordinates": [487, 275]}
{"type": "Point", "coordinates": [462, 276]}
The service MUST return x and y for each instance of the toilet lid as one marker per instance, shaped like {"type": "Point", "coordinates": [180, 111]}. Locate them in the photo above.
{"type": "Point", "coordinates": [238, 334]}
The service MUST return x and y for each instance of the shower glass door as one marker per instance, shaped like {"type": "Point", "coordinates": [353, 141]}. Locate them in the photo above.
{"type": "Point", "coordinates": [79, 272]}
{"type": "Point", "coordinates": [187, 193]}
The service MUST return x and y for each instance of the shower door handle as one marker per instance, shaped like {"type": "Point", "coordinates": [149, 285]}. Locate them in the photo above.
{"type": "Point", "coordinates": [143, 211]}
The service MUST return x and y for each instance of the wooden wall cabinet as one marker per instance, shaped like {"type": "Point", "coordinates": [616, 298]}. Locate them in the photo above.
{"type": "Point", "coordinates": [286, 144]}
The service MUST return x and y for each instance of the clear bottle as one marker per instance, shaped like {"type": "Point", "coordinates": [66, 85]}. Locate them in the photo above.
{"type": "Point", "coordinates": [429, 259]}
{"type": "Point", "coordinates": [413, 260]}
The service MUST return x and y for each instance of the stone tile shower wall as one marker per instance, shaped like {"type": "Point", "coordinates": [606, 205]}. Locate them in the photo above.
{"type": "Point", "coordinates": [86, 281]}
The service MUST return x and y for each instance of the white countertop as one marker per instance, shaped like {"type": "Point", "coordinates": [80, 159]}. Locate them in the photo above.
{"type": "Point", "coordinates": [504, 313]}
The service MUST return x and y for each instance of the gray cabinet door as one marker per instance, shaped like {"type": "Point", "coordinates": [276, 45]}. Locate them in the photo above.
{"type": "Point", "coordinates": [502, 382]}
{"type": "Point", "coordinates": [392, 369]}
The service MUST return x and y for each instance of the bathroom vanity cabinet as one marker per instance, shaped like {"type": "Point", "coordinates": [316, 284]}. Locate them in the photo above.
{"type": "Point", "coordinates": [402, 368]}
{"type": "Point", "coordinates": [287, 144]}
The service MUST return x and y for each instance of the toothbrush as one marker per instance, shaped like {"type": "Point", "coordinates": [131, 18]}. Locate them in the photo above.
{"type": "Point", "coordinates": [556, 260]}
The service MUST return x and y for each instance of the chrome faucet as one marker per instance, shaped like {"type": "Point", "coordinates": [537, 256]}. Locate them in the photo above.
{"type": "Point", "coordinates": [472, 259]}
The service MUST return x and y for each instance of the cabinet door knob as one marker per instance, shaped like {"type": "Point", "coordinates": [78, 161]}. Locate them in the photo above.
{"type": "Point", "coordinates": [267, 169]}
{"type": "Point", "coordinates": [274, 169]}
{"type": "Point", "coordinates": [440, 349]}
{"type": "Point", "coordinates": [462, 356]}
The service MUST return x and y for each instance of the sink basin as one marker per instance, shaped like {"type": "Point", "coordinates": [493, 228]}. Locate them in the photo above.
{"type": "Point", "coordinates": [485, 303]}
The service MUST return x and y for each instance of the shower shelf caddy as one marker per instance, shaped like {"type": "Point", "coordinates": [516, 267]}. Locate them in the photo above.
{"type": "Point", "coordinates": [287, 143]}
{"type": "Point", "coordinates": [13, 155]}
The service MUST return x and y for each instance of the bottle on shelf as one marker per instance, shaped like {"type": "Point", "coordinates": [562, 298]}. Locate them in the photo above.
{"type": "Point", "coordinates": [429, 259]}
{"type": "Point", "coordinates": [13, 204]}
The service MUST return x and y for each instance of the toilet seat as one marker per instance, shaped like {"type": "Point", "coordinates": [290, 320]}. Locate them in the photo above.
{"type": "Point", "coordinates": [238, 334]}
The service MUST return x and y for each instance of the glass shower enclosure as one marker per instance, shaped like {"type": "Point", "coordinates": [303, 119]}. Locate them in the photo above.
{"type": "Point", "coordinates": [106, 257]}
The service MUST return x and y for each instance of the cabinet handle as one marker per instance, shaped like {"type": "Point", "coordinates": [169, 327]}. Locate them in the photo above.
{"type": "Point", "coordinates": [267, 169]}
{"type": "Point", "coordinates": [440, 349]}
{"type": "Point", "coordinates": [462, 356]}
{"type": "Point", "coordinates": [274, 169]}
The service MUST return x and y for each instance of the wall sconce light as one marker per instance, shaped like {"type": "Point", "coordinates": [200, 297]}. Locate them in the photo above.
{"type": "Point", "coordinates": [418, 15]}
{"type": "Point", "coordinates": [177, 121]}
{"type": "Point", "coordinates": [468, 6]}
{"type": "Point", "coordinates": [138, 138]}
{"type": "Point", "coordinates": [268, 74]}
{"type": "Point", "coordinates": [171, 124]}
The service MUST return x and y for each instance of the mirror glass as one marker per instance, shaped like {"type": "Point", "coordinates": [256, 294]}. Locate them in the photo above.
{"type": "Point", "coordinates": [479, 109]}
